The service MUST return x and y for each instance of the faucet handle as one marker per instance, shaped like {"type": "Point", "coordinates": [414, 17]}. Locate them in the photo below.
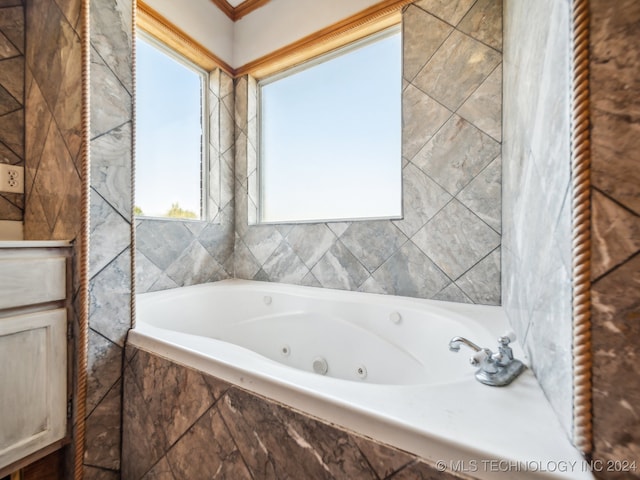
{"type": "Point", "coordinates": [505, 353]}
{"type": "Point", "coordinates": [479, 357]}
{"type": "Point", "coordinates": [507, 338]}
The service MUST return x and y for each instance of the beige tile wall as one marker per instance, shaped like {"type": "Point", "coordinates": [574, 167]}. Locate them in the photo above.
{"type": "Point", "coordinates": [52, 131]}
{"type": "Point", "coordinates": [12, 45]}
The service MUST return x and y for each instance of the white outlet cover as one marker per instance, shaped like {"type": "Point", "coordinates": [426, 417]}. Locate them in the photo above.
{"type": "Point", "coordinates": [11, 178]}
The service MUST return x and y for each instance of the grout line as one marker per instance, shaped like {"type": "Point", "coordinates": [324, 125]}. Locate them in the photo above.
{"type": "Point", "coordinates": [614, 200]}
{"type": "Point", "coordinates": [616, 267]}
{"type": "Point", "coordinates": [231, 435]}
{"type": "Point", "coordinates": [119, 379]}
{"type": "Point", "coordinates": [127, 220]}
{"type": "Point", "coordinates": [109, 263]}
{"type": "Point", "coordinates": [111, 130]}
{"type": "Point", "coordinates": [410, 80]}
{"type": "Point", "coordinates": [94, 49]}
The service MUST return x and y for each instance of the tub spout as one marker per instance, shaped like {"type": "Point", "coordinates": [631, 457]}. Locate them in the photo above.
{"type": "Point", "coordinates": [454, 344]}
{"type": "Point", "coordinates": [495, 369]}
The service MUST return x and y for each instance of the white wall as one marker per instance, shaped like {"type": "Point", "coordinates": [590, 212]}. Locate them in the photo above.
{"type": "Point", "coordinates": [275, 25]}
{"type": "Point", "coordinates": [281, 22]}
{"type": "Point", "coordinates": [203, 21]}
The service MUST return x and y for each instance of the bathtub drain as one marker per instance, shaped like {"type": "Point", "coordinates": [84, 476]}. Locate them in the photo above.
{"type": "Point", "coordinates": [285, 350]}
{"type": "Point", "coordinates": [320, 366]}
{"type": "Point", "coordinates": [361, 372]}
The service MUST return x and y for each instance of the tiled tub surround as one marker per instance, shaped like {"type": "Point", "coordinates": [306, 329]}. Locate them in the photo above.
{"type": "Point", "coordinates": [188, 424]}
{"type": "Point", "coordinates": [12, 45]}
{"type": "Point", "coordinates": [448, 244]}
{"type": "Point", "coordinates": [175, 253]}
{"type": "Point", "coordinates": [536, 244]}
{"type": "Point", "coordinates": [227, 432]}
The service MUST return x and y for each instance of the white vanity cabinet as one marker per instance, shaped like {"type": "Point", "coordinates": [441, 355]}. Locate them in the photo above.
{"type": "Point", "coordinates": [33, 347]}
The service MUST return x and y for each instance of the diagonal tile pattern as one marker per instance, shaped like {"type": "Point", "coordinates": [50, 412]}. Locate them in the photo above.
{"type": "Point", "coordinates": [456, 239]}
{"type": "Point", "coordinates": [50, 91]}
{"type": "Point", "coordinates": [111, 226]}
{"type": "Point", "coordinates": [371, 256]}
{"type": "Point", "coordinates": [235, 434]}
{"type": "Point", "coordinates": [456, 154]}
{"type": "Point", "coordinates": [451, 176]}
{"type": "Point", "coordinates": [451, 11]}
{"type": "Point", "coordinates": [46, 136]}
{"type": "Point", "coordinates": [461, 60]}
{"type": "Point", "coordinates": [422, 36]}
{"type": "Point", "coordinates": [12, 31]}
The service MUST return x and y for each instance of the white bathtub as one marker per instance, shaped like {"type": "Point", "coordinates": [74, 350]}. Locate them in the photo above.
{"type": "Point", "coordinates": [389, 372]}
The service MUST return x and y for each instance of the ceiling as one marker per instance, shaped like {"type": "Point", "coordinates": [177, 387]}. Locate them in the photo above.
{"type": "Point", "coordinates": [265, 26]}
{"type": "Point", "coordinates": [236, 9]}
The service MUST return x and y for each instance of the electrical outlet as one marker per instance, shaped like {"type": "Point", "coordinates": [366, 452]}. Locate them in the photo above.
{"type": "Point", "coordinates": [11, 178]}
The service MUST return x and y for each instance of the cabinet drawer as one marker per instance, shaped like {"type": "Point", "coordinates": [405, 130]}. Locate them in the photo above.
{"type": "Point", "coordinates": [26, 280]}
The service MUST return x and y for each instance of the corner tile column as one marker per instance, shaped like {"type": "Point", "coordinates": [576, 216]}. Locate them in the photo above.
{"type": "Point", "coordinates": [110, 250]}
{"type": "Point", "coordinates": [536, 253]}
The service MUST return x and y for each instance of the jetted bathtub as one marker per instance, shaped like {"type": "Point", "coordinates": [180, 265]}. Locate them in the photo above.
{"type": "Point", "coordinates": [375, 364]}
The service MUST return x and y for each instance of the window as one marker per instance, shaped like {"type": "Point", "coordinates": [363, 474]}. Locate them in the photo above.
{"type": "Point", "coordinates": [330, 136]}
{"type": "Point", "coordinates": [171, 126]}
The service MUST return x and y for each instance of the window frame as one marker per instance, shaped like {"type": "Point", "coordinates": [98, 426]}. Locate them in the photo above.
{"type": "Point", "coordinates": [205, 161]}
{"type": "Point", "coordinates": [305, 65]}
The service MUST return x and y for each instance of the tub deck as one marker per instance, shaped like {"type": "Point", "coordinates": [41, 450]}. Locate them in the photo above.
{"type": "Point", "coordinates": [508, 432]}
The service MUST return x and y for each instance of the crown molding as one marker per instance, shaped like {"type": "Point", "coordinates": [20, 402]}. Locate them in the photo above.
{"type": "Point", "coordinates": [371, 20]}
{"type": "Point", "coordinates": [236, 13]}
{"type": "Point", "coordinates": [367, 22]}
{"type": "Point", "coordinates": [159, 27]}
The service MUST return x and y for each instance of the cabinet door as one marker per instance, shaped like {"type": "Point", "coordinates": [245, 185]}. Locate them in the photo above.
{"type": "Point", "coordinates": [33, 383]}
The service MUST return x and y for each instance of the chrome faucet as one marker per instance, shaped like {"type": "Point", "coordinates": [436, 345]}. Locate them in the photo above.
{"type": "Point", "coordinates": [495, 369]}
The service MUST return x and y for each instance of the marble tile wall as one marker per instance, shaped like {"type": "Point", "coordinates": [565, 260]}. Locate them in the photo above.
{"type": "Point", "coordinates": [111, 34]}
{"type": "Point", "coordinates": [52, 126]}
{"type": "Point", "coordinates": [615, 177]}
{"type": "Point", "coordinates": [536, 245]}
{"type": "Point", "coordinates": [448, 244]}
{"type": "Point", "coordinates": [12, 35]}
{"type": "Point", "coordinates": [174, 253]}
{"type": "Point", "coordinates": [52, 120]}
{"type": "Point", "coordinates": [181, 424]}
